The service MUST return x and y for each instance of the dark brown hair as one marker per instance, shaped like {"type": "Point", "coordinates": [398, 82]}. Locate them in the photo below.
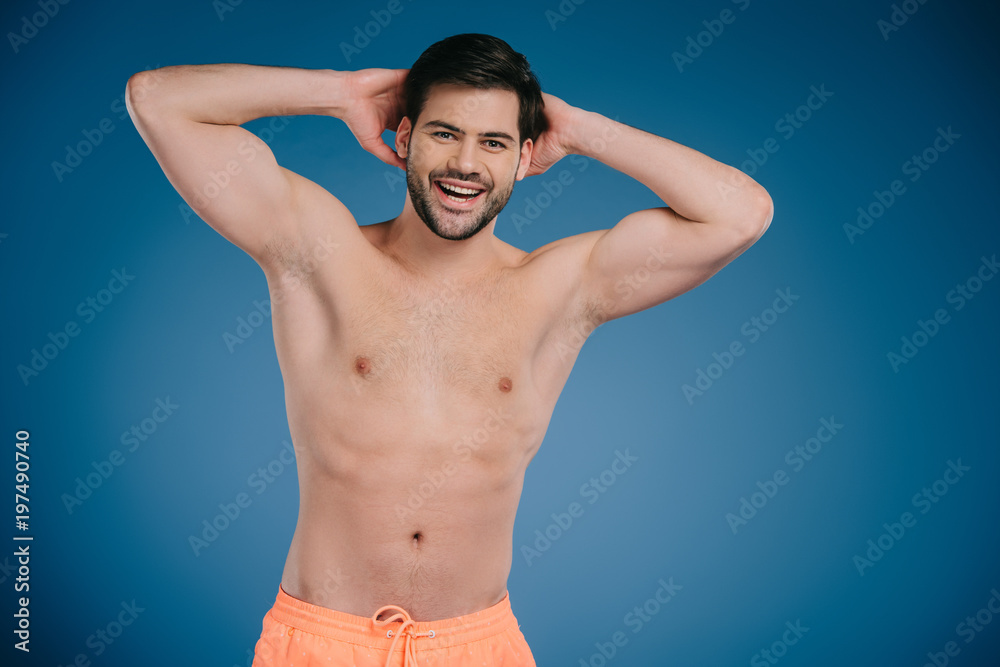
{"type": "Point", "coordinates": [479, 61]}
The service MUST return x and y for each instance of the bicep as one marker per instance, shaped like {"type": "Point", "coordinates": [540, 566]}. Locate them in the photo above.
{"type": "Point", "coordinates": [654, 255]}
{"type": "Point", "coordinates": [227, 175]}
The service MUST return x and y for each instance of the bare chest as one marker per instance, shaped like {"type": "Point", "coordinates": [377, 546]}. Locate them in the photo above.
{"type": "Point", "coordinates": [441, 338]}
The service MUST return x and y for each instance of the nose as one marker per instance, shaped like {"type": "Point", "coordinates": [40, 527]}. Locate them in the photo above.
{"type": "Point", "coordinates": [465, 158]}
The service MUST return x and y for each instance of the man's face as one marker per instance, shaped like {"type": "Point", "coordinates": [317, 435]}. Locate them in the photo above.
{"type": "Point", "coordinates": [462, 158]}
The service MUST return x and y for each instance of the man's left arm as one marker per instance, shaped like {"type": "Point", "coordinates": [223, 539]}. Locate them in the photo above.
{"type": "Point", "coordinates": [715, 212]}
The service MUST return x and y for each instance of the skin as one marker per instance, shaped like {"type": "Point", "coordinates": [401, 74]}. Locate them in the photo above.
{"type": "Point", "coordinates": [420, 372]}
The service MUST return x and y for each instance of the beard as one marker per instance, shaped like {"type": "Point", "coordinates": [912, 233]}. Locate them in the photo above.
{"type": "Point", "coordinates": [429, 210]}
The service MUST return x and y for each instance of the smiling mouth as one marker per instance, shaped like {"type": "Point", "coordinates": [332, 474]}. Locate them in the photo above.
{"type": "Point", "coordinates": [458, 194]}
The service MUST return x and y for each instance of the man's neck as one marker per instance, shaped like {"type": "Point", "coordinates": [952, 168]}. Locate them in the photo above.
{"type": "Point", "coordinates": [410, 240]}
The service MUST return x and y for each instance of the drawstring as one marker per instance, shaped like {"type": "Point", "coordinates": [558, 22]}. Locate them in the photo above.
{"type": "Point", "coordinates": [409, 652]}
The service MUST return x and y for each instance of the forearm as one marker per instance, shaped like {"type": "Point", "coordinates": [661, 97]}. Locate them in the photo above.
{"type": "Point", "coordinates": [233, 94]}
{"type": "Point", "coordinates": [691, 183]}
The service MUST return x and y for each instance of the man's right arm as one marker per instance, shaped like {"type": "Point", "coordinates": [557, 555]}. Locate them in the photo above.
{"type": "Point", "coordinates": [190, 118]}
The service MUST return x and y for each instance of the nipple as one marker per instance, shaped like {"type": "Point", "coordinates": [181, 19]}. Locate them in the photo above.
{"type": "Point", "coordinates": [362, 365]}
{"type": "Point", "coordinates": [505, 384]}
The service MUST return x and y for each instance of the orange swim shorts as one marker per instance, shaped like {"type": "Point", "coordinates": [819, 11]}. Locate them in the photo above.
{"type": "Point", "coordinates": [299, 634]}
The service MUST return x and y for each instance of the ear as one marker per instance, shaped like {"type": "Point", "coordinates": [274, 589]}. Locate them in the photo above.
{"type": "Point", "coordinates": [522, 167]}
{"type": "Point", "coordinates": [403, 137]}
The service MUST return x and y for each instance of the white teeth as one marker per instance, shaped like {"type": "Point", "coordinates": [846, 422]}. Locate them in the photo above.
{"type": "Point", "coordinates": [461, 191]}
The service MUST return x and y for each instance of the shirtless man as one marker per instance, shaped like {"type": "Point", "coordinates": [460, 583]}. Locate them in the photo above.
{"type": "Point", "coordinates": [422, 357]}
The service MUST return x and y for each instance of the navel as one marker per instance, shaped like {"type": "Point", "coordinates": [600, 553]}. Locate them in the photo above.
{"type": "Point", "coordinates": [362, 365]}
{"type": "Point", "coordinates": [505, 384]}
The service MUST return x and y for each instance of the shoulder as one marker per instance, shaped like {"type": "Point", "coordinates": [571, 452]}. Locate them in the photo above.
{"type": "Point", "coordinates": [556, 272]}
{"type": "Point", "coordinates": [568, 253]}
{"type": "Point", "coordinates": [328, 247]}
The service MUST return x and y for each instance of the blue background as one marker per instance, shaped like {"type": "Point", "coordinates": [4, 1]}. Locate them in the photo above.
{"type": "Point", "coordinates": [665, 517]}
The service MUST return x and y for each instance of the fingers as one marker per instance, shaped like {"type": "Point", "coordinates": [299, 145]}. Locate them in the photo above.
{"type": "Point", "coordinates": [381, 150]}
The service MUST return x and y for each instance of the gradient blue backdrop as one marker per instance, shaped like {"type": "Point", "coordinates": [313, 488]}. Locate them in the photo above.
{"type": "Point", "coordinates": [824, 358]}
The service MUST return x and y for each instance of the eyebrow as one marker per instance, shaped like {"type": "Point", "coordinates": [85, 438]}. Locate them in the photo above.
{"type": "Point", "coordinates": [458, 130]}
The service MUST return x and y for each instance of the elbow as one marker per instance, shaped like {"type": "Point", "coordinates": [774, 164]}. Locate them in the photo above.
{"type": "Point", "coordinates": [759, 215]}
{"type": "Point", "coordinates": [140, 89]}
{"type": "Point", "coordinates": [135, 92]}
{"type": "Point", "coordinates": [750, 211]}
{"type": "Point", "coordinates": [766, 211]}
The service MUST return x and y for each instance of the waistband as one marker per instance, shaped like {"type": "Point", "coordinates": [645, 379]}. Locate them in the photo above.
{"type": "Point", "coordinates": [368, 632]}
